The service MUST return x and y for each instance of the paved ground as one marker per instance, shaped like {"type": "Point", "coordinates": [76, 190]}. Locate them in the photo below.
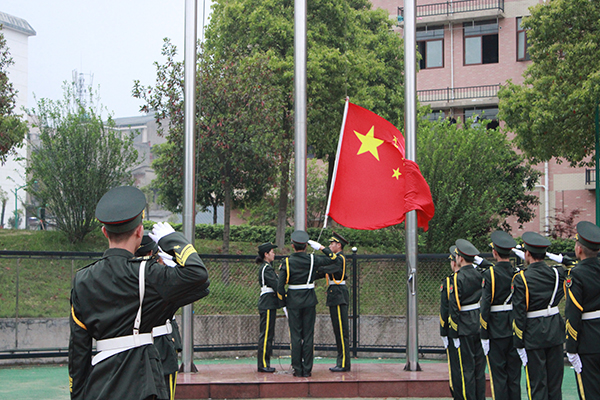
{"type": "Point", "coordinates": [51, 382]}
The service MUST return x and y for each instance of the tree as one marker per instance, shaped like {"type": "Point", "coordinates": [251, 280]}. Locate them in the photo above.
{"type": "Point", "coordinates": [477, 180]}
{"type": "Point", "coordinates": [552, 112]}
{"type": "Point", "coordinates": [12, 128]}
{"type": "Point", "coordinates": [78, 159]}
{"type": "Point", "coordinates": [352, 51]}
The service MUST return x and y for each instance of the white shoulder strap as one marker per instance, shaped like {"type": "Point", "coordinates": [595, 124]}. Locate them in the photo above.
{"type": "Point", "coordinates": [555, 287]}
{"type": "Point", "coordinates": [312, 262]}
{"type": "Point", "coordinates": [142, 286]}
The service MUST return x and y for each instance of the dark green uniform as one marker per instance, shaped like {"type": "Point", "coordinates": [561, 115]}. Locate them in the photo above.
{"type": "Point", "coordinates": [465, 293]}
{"type": "Point", "coordinates": [338, 299]}
{"type": "Point", "coordinates": [503, 360]}
{"type": "Point", "coordinates": [104, 303]}
{"type": "Point", "coordinates": [582, 312]}
{"type": "Point", "coordinates": [539, 328]}
{"type": "Point", "coordinates": [300, 299]}
{"type": "Point", "coordinates": [267, 308]}
{"type": "Point", "coordinates": [454, 377]}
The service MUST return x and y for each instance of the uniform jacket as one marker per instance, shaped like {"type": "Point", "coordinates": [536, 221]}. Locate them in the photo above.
{"type": "Point", "coordinates": [465, 289]}
{"type": "Point", "coordinates": [337, 272]}
{"type": "Point", "coordinates": [104, 304]}
{"type": "Point", "coordinates": [444, 304]}
{"type": "Point", "coordinates": [496, 291]}
{"type": "Point", "coordinates": [267, 301]}
{"type": "Point", "coordinates": [295, 270]}
{"type": "Point", "coordinates": [582, 287]}
{"type": "Point", "coordinates": [532, 291]}
{"type": "Point", "coordinates": [168, 346]}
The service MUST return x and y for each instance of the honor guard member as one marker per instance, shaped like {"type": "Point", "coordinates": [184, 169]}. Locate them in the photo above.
{"type": "Point", "coordinates": [119, 299]}
{"type": "Point", "coordinates": [537, 325]}
{"type": "Point", "coordinates": [298, 272]}
{"type": "Point", "coordinates": [496, 331]}
{"type": "Point", "coordinates": [582, 311]}
{"type": "Point", "coordinates": [454, 374]}
{"type": "Point", "coordinates": [267, 305]}
{"type": "Point", "coordinates": [465, 293]}
{"type": "Point", "coordinates": [338, 299]}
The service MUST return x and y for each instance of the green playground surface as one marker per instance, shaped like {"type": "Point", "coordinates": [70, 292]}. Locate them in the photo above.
{"type": "Point", "coordinates": [51, 382]}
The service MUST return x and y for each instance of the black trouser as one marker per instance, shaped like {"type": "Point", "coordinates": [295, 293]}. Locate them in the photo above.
{"type": "Point", "coordinates": [302, 333]}
{"type": "Point", "coordinates": [588, 385]}
{"type": "Point", "coordinates": [471, 374]}
{"type": "Point", "coordinates": [505, 369]}
{"type": "Point", "coordinates": [455, 376]}
{"type": "Point", "coordinates": [265, 340]}
{"type": "Point", "coordinates": [171, 381]}
{"type": "Point", "coordinates": [544, 373]}
{"type": "Point", "coordinates": [339, 321]}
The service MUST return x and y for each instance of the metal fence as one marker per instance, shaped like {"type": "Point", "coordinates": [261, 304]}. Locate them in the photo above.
{"type": "Point", "coordinates": [454, 7]}
{"type": "Point", "coordinates": [458, 93]}
{"type": "Point", "coordinates": [37, 285]}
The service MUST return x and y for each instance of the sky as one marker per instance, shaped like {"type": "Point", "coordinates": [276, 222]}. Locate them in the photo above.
{"type": "Point", "coordinates": [111, 42]}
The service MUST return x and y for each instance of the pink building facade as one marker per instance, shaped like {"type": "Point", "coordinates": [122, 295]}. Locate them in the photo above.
{"type": "Point", "coordinates": [469, 48]}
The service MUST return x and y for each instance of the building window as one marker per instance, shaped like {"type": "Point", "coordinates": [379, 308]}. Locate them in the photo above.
{"type": "Point", "coordinates": [430, 41]}
{"type": "Point", "coordinates": [522, 53]}
{"type": "Point", "coordinates": [489, 113]}
{"type": "Point", "coordinates": [481, 42]}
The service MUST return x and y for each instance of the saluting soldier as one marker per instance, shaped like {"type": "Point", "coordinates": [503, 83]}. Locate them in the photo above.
{"type": "Point", "coordinates": [496, 332]}
{"type": "Point", "coordinates": [454, 374]}
{"type": "Point", "coordinates": [338, 299]}
{"type": "Point", "coordinates": [537, 325]}
{"type": "Point", "coordinates": [267, 305]}
{"type": "Point", "coordinates": [119, 299]}
{"type": "Point", "coordinates": [582, 311]}
{"type": "Point", "coordinates": [298, 272]}
{"type": "Point", "coordinates": [465, 293]}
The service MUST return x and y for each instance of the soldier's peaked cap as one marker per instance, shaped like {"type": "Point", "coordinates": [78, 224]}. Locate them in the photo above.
{"type": "Point", "coordinates": [588, 234]}
{"type": "Point", "coordinates": [266, 247]}
{"type": "Point", "coordinates": [336, 237]}
{"type": "Point", "coordinates": [452, 251]}
{"type": "Point", "coordinates": [300, 237]}
{"type": "Point", "coordinates": [502, 242]}
{"type": "Point", "coordinates": [121, 209]}
{"type": "Point", "coordinates": [535, 243]}
{"type": "Point", "coordinates": [465, 248]}
{"type": "Point", "coordinates": [148, 245]}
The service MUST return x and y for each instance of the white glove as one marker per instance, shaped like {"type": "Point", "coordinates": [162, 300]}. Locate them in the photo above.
{"type": "Point", "coordinates": [555, 257]}
{"type": "Point", "coordinates": [160, 230]}
{"type": "Point", "coordinates": [445, 340]}
{"type": "Point", "coordinates": [575, 362]}
{"type": "Point", "coordinates": [485, 344]}
{"type": "Point", "coordinates": [523, 355]}
{"type": "Point", "coordinates": [478, 260]}
{"type": "Point", "coordinates": [167, 259]}
{"type": "Point", "coordinates": [456, 342]}
{"type": "Point", "coordinates": [285, 312]}
{"type": "Point", "coordinates": [315, 245]}
{"type": "Point", "coordinates": [519, 253]}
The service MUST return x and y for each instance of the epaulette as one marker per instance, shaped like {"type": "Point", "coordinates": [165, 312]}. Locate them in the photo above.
{"type": "Point", "coordinates": [142, 258]}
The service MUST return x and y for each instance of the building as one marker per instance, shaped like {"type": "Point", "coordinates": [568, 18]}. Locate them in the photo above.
{"type": "Point", "coordinates": [469, 49]}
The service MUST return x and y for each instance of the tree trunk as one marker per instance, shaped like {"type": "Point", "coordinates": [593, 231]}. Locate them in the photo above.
{"type": "Point", "coordinates": [284, 169]}
{"type": "Point", "coordinates": [226, 230]}
{"type": "Point", "coordinates": [215, 207]}
{"type": "Point", "coordinates": [3, 210]}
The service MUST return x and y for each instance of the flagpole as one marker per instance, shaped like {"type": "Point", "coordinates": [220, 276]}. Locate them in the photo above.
{"type": "Point", "coordinates": [337, 159]}
{"type": "Point", "coordinates": [300, 112]}
{"type": "Point", "coordinates": [410, 101]}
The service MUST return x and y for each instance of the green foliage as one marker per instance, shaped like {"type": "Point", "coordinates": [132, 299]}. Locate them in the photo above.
{"type": "Point", "coordinates": [77, 160]}
{"type": "Point", "coordinates": [552, 112]}
{"type": "Point", "coordinates": [477, 181]}
{"type": "Point", "coordinates": [12, 128]}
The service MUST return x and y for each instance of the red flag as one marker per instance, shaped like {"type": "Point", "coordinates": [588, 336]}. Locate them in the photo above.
{"type": "Point", "coordinates": [374, 186]}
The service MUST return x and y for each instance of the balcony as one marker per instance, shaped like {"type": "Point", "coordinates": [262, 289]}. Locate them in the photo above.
{"type": "Point", "coordinates": [590, 178]}
{"type": "Point", "coordinates": [455, 11]}
{"type": "Point", "coordinates": [470, 96]}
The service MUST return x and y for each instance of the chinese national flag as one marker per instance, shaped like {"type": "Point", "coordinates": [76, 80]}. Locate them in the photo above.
{"type": "Point", "coordinates": [374, 186]}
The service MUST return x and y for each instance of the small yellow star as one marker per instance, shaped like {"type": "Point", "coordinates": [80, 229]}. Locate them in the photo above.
{"type": "Point", "coordinates": [177, 247]}
{"type": "Point", "coordinates": [397, 173]}
{"type": "Point", "coordinates": [369, 143]}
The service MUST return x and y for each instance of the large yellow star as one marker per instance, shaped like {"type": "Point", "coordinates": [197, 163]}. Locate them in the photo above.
{"type": "Point", "coordinates": [369, 143]}
{"type": "Point", "coordinates": [397, 173]}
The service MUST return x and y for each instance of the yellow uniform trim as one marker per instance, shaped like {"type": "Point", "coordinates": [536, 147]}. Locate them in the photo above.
{"type": "Point", "coordinates": [462, 374]}
{"type": "Point", "coordinates": [442, 322]}
{"type": "Point", "coordinates": [482, 322]}
{"type": "Point", "coordinates": [574, 300]}
{"type": "Point", "coordinates": [580, 384]}
{"type": "Point", "coordinates": [78, 322]}
{"type": "Point", "coordinates": [453, 324]}
{"type": "Point", "coordinates": [456, 293]}
{"type": "Point", "coordinates": [528, 383]}
{"type": "Point", "coordinates": [342, 337]}
{"type": "Point", "coordinates": [570, 330]}
{"type": "Point", "coordinates": [449, 370]}
{"type": "Point", "coordinates": [186, 252]}
{"type": "Point", "coordinates": [71, 384]}
{"type": "Point", "coordinates": [493, 284]}
{"type": "Point", "coordinates": [491, 378]}
{"type": "Point", "coordinates": [517, 331]}
{"type": "Point", "coordinates": [264, 353]}
{"type": "Point", "coordinates": [343, 273]}
{"type": "Point", "coordinates": [526, 290]}
{"type": "Point", "coordinates": [287, 267]}
{"type": "Point", "coordinates": [448, 287]}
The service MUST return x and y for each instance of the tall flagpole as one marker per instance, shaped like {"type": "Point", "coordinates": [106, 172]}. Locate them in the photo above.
{"type": "Point", "coordinates": [410, 101]}
{"type": "Point", "coordinates": [189, 186]}
{"type": "Point", "coordinates": [300, 112]}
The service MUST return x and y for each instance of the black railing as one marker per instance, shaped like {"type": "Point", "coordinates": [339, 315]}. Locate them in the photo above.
{"type": "Point", "coordinates": [460, 93]}
{"type": "Point", "coordinates": [454, 7]}
{"type": "Point", "coordinates": [590, 176]}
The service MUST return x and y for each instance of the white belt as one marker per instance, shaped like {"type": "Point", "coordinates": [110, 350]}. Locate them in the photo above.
{"type": "Point", "coordinates": [501, 307]}
{"type": "Point", "coordinates": [162, 330]}
{"type": "Point", "coordinates": [110, 347]}
{"type": "Point", "coordinates": [265, 290]}
{"type": "Point", "coordinates": [590, 315]}
{"type": "Point", "coordinates": [470, 307]}
{"type": "Point", "coordinates": [546, 312]}
{"type": "Point", "coordinates": [305, 286]}
{"type": "Point", "coordinates": [334, 283]}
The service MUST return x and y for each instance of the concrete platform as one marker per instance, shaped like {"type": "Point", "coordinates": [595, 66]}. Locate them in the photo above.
{"type": "Point", "coordinates": [227, 381]}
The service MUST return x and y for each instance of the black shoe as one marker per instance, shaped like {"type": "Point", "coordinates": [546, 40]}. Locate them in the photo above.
{"type": "Point", "coordinates": [266, 369]}
{"type": "Point", "coordinates": [298, 374]}
{"type": "Point", "coordinates": [307, 374]}
{"type": "Point", "coordinates": [339, 369]}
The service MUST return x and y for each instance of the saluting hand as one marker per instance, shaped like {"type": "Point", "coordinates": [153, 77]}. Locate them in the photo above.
{"type": "Point", "coordinates": [160, 230]}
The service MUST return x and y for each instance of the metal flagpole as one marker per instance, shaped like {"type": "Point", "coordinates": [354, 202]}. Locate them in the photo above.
{"type": "Point", "coordinates": [410, 98]}
{"type": "Point", "coordinates": [189, 181]}
{"type": "Point", "coordinates": [300, 111]}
